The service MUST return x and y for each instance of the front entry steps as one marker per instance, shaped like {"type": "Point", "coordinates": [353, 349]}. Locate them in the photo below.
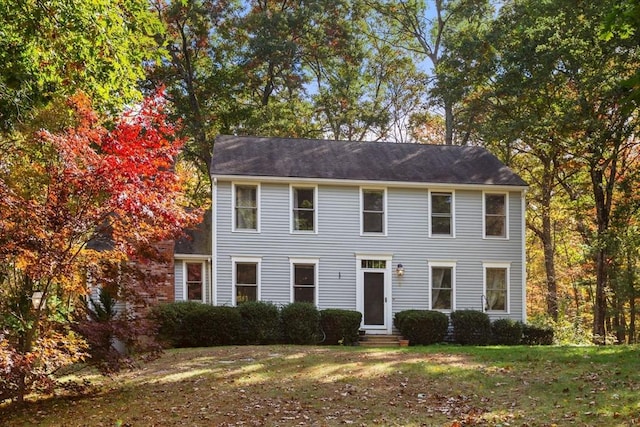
{"type": "Point", "coordinates": [369, 340]}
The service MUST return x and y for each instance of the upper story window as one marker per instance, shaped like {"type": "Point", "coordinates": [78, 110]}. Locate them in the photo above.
{"type": "Point", "coordinates": [194, 282]}
{"type": "Point", "coordinates": [442, 214]}
{"type": "Point", "coordinates": [495, 215]}
{"type": "Point", "coordinates": [303, 201]}
{"type": "Point", "coordinates": [496, 287]}
{"type": "Point", "coordinates": [373, 206]}
{"type": "Point", "coordinates": [245, 205]}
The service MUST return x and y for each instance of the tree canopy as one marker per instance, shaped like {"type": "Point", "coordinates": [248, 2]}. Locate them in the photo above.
{"type": "Point", "coordinates": [54, 48]}
{"type": "Point", "coordinates": [553, 98]}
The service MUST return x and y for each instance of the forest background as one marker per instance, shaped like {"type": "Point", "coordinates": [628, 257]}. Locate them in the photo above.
{"type": "Point", "coordinates": [551, 87]}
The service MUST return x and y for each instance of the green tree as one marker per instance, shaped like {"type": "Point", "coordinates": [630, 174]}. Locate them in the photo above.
{"type": "Point", "coordinates": [430, 31]}
{"type": "Point", "coordinates": [53, 48]}
{"type": "Point", "coordinates": [275, 36]}
{"type": "Point", "coordinates": [623, 23]}
{"type": "Point", "coordinates": [555, 93]}
{"type": "Point", "coordinates": [280, 68]}
{"type": "Point", "coordinates": [364, 88]}
{"type": "Point", "coordinates": [200, 73]}
{"type": "Point", "coordinates": [625, 243]}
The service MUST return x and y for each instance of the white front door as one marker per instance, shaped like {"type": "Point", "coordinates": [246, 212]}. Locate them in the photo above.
{"type": "Point", "coordinates": [374, 292]}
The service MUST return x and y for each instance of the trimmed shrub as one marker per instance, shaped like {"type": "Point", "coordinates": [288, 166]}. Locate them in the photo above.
{"type": "Point", "coordinates": [471, 327]}
{"type": "Point", "coordinates": [340, 326]}
{"type": "Point", "coordinates": [300, 323]}
{"type": "Point", "coordinates": [401, 316]}
{"type": "Point", "coordinates": [537, 335]}
{"type": "Point", "coordinates": [215, 325]}
{"type": "Point", "coordinates": [506, 332]}
{"type": "Point", "coordinates": [260, 322]}
{"type": "Point", "coordinates": [193, 324]}
{"type": "Point", "coordinates": [422, 327]}
{"type": "Point", "coordinates": [171, 321]}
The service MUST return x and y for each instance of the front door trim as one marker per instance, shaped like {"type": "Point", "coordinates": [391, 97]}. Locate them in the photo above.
{"type": "Point", "coordinates": [374, 329]}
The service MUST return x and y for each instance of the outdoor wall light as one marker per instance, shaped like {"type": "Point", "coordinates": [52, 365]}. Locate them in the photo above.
{"type": "Point", "coordinates": [36, 299]}
{"type": "Point", "coordinates": [400, 270]}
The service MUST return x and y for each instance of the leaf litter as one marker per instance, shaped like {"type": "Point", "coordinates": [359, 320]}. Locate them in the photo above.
{"type": "Point", "coordinates": [325, 386]}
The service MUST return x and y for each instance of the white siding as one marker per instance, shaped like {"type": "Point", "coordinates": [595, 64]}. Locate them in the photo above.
{"type": "Point", "coordinates": [339, 239]}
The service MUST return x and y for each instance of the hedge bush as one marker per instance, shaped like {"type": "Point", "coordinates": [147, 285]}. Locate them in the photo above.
{"type": "Point", "coordinates": [340, 326]}
{"type": "Point", "coordinates": [223, 325]}
{"type": "Point", "coordinates": [471, 327]}
{"type": "Point", "coordinates": [260, 322]}
{"type": "Point", "coordinates": [506, 332]}
{"type": "Point", "coordinates": [422, 327]}
{"type": "Point", "coordinates": [171, 321]}
{"type": "Point", "coordinates": [300, 323]}
{"type": "Point", "coordinates": [401, 316]}
{"type": "Point", "coordinates": [193, 324]}
{"type": "Point", "coordinates": [537, 335]}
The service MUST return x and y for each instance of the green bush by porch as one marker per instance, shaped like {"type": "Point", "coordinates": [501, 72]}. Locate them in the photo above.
{"type": "Point", "coordinates": [422, 327]}
{"type": "Point", "coordinates": [340, 326]}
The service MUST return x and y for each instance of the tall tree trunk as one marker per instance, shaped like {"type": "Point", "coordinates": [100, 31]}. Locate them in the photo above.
{"type": "Point", "coordinates": [448, 122]}
{"type": "Point", "coordinates": [203, 149]}
{"type": "Point", "coordinates": [603, 171]}
{"type": "Point", "coordinates": [632, 317]}
{"type": "Point", "coordinates": [548, 245]}
{"type": "Point", "coordinates": [630, 283]}
{"type": "Point", "coordinates": [600, 300]}
{"type": "Point", "coordinates": [550, 270]}
{"type": "Point", "coordinates": [601, 255]}
{"type": "Point", "coordinates": [545, 233]}
{"type": "Point", "coordinates": [620, 321]}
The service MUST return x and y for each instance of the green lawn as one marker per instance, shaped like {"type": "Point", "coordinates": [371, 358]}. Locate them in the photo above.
{"type": "Point", "coordinates": [293, 385]}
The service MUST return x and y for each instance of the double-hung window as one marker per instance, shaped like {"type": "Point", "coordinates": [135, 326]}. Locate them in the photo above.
{"type": "Point", "coordinates": [194, 281]}
{"type": "Point", "coordinates": [303, 201]}
{"type": "Point", "coordinates": [442, 286]}
{"type": "Point", "coordinates": [304, 280]}
{"type": "Point", "coordinates": [373, 207]}
{"type": "Point", "coordinates": [442, 214]}
{"type": "Point", "coordinates": [495, 215]}
{"type": "Point", "coordinates": [496, 287]}
{"type": "Point", "coordinates": [246, 280]}
{"type": "Point", "coordinates": [245, 207]}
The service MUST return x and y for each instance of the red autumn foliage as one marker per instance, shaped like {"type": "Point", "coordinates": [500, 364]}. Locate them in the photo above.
{"type": "Point", "coordinates": [59, 192]}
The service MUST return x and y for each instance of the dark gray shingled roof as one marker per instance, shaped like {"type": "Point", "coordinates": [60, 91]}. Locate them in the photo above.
{"type": "Point", "coordinates": [353, 160]}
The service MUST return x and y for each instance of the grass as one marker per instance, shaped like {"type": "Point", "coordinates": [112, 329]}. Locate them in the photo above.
{"type": "Point", "coordinates": [295, 385]}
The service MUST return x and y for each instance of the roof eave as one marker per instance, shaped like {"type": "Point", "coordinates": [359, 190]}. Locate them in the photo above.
{"type": "Point", "coordinates": [372, 183]}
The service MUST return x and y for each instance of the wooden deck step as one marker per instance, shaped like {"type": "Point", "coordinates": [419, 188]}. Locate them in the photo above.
{"type": "Point", "coordinates": [380, 340]}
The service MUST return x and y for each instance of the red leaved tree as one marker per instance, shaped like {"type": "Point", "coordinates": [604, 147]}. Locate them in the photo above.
{"type": "Point", "coordinates": [59, 191]}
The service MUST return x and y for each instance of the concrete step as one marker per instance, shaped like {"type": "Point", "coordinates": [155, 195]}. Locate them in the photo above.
{"type": "Point", "coordinates": [380, 340]}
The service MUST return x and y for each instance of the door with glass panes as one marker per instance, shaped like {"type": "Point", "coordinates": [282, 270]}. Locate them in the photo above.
{"type": "Point", "coordinates": [373, 294]}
